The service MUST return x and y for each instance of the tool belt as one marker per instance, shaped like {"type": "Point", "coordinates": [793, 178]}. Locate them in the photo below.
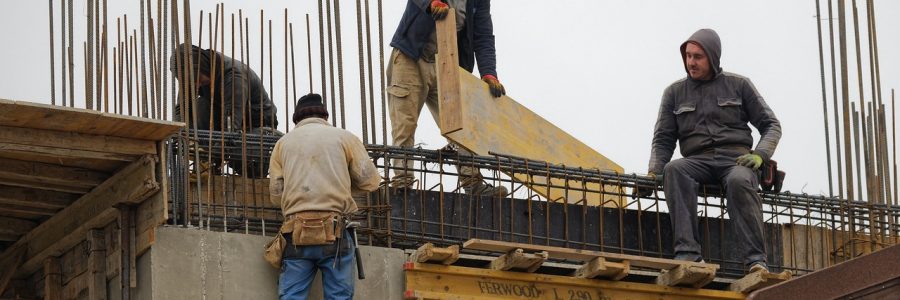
{"type": "Point", "coordinates": [310, 228]}
{"type": "Point", "coordinates": [770, 178]}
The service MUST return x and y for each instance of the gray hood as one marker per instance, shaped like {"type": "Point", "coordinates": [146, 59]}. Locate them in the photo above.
{"type": "Point", "coordinates": [709, 40]}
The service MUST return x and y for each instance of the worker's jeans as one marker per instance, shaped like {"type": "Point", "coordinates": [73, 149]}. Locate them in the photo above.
{"type": "Point", "coordinates": [300, 265]}
{"type": "Point", "coordinates": [411, 85]}
{"type": "Point", "coordinates": [682, 179]}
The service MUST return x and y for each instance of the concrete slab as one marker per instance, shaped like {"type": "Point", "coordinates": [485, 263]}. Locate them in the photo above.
{"type": "Point", "coordinates": [189, 263]}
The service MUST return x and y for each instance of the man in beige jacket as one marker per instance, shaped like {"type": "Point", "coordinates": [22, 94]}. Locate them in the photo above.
{"type": "Point", "coordinates": [312, 172]}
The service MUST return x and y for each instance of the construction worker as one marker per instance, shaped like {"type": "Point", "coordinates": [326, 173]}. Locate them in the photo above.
{"type": "Point", "coordinates": [707, 113]}
{"type": "Point", "coordinates": [412, 79]}
{"type": "Point", "coordinates": [237, 94]}
{"type": "Point", "coordinates": [312, 172]}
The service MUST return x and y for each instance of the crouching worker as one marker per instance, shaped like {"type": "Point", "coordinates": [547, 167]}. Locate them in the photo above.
{"type": "Point", "coordinates": [312, 172]}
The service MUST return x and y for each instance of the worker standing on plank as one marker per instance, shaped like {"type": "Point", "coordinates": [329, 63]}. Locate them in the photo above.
{"type": "Point", "coordinates": [707, 113]}
{"type": "Point", "coordinates": [412, 77]}
{"type": "Point", "coordinates": [313, 170]}
{"type": "Point", "coordinates": [235, 94]}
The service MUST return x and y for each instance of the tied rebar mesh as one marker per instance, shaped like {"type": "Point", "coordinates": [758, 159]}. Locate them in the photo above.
{"type": "Point", "coordinates": [803, 232]}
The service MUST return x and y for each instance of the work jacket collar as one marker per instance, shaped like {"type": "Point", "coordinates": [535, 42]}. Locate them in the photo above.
{"type": "Point", "coordinates": [312, 121]}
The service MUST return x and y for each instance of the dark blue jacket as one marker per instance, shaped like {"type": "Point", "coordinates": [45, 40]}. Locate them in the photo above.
{"type": "Point", "coordinates": [476, 40]}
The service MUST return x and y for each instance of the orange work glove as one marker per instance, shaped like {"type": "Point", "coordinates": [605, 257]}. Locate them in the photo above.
{"type": "Point", "coordinates": [497, 89]}
{"type": "Point", "coordinates": [439, 9]}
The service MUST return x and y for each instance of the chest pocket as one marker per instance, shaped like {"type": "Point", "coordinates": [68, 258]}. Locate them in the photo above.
{"type": "Point", "coordinates": [730, 110]}
{"type": "Point", "coordinates": [686, 116]}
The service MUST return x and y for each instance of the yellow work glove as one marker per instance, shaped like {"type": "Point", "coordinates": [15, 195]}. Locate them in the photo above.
{"type": "Point", "coordinates": [750, 160]}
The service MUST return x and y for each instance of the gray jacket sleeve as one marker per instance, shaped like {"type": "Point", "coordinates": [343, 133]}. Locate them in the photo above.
{"type": "Point", "coordinates": [762, 117]}
{"type": "Point", "coordinates": [665, 134]}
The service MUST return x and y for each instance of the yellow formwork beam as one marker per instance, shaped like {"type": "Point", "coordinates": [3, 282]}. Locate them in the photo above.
{"type": "Point", "coordinates": [480, 123]}
{"type": "Point", "coordinates": [430, 281]}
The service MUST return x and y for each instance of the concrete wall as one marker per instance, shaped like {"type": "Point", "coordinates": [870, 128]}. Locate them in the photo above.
{"type": "Point", "coordinates": [198, 264]}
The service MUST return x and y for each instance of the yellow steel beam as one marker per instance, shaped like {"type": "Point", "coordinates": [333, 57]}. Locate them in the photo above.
{"type": "Point", "coordinates": [480, 123]}
{"type": "Point", "coordinates": [430, 281]}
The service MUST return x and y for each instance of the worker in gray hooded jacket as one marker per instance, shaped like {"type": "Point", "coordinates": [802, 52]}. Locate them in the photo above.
{"type": "Point", "coordinates": [707, 113]}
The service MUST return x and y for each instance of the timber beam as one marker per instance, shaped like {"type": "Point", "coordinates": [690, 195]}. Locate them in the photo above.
{"type": "Point", "coordinates": [519, 260]}
{"type": "Point", "coordinates": [44, 176]}
{"type": "Point", "coordinates": [758, 280]}
{"type": "Point", "coordinates": [687, 275]}
{"type": "Point", "coordinates": [601, 268]}
{"type": "Point", "coordinates": [35, 198]}
{"type": "Point", "coordinates": [133, 184]}
{"type": "Point", "coordinates": [72, 144]}
{"type": "Point", "coordinates": [429, 253]}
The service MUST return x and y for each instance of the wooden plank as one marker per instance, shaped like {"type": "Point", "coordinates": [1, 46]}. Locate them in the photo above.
{"type": "Point", "coordinates": [429, 253]}
{"type": "Point", "coordinates": [97, 265]}
{"type": "Point", "coordinates": [35, 198]}
{"type": "Point", "coordinates": [76, 286]}
{"type": "Point", "coordinates": [581, 255]}
{"type": "Point", "coordinates": [50, 173]}
{"type": "Point", "coordinates": [758, 280]}
{"type": "Point", "coordinates": [65, 153]}
{"type": "Point", "coordinates": [105, 166]}
{"type": "Point", "coordinates": [42, 116]}
{"type": "Point", "coordinates": [11, 259]}
{"type": "Point", "coordinates": [27, 210]}
{"type": "Point", "coordinates": [52, 279]}
{"type": "Point", "coordinates": [15, 226]}
{"type": "Point", "coordinates": [599, 267]}
{"type": "Point", "coordinates": [519, 260]}
{"type": "Point", "coordinates": [480, 123]}
{"type": "Point", "coordinates": [68, 227]}
{"type": "Point", "coordinates": [448, 75]}
{"type": "Point", "coordinates": [15, 138]}
{"type": "Point", "coordinates": [687, 275]}
{"type": "Point", "coordinates": [453, 282]}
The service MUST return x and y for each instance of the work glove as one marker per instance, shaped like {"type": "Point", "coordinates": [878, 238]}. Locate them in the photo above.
{"type": "Point", "coordinates": [750, 160]}
{"type": "Point", "coordinates": [438, 9]}
{"type": "Point", "coordinates": [645, 191]}
{"type": "Point", "coordinates": [497, 89]}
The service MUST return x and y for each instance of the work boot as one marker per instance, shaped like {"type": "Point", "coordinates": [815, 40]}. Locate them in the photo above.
{"type": "Point", "coordinates": [759, 266]}
{"type": "Point", "coordinates": [686, 256]}
{"type": "Point", "coordinates": [481, 188]}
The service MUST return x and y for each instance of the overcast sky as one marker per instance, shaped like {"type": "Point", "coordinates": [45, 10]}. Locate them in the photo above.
{"type": "Point", "coordinates": [596, 69]}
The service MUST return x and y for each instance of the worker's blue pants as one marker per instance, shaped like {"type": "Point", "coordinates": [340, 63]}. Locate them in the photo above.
{"type": "Point", "coordinates": [300, 265]}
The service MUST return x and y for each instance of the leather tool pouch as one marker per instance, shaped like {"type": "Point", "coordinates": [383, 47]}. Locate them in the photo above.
{"type": "Point", "coordinates": [314, 228]}
{"type": "Point", "coordinates": [275, 250]}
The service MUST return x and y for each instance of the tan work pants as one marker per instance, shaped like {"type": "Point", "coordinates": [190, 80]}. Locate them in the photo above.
{"type": "Point", "coordinates": [412, 83]}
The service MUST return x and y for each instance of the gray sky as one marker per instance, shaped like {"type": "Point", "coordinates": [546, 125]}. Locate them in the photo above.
{"type": "Point", "coordinates": [596, 69]}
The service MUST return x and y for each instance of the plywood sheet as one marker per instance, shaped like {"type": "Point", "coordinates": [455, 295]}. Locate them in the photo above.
{"type": "Point", "coordinates": [475, 120]}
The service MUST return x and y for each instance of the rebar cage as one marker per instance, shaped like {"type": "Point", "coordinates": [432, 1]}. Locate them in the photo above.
{"type": "Point", "coordinates": [803, 232]}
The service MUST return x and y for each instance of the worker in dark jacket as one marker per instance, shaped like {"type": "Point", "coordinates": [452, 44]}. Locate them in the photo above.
{"type": "Point", "coordinates": [236, 86]}
{"type": "Point", "coordinates": [231, 92]}
{"type": "Point", "coordinates": [412, 80]}
{"type": "Point", "coordinates": [707, 113]}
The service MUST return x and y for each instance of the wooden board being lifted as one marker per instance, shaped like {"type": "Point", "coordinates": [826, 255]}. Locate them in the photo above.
{"type": "Point", "coordinates": [480, 123]}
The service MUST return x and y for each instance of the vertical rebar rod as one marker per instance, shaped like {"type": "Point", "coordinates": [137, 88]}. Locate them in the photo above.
{"type": "Point", "coordinates": [287, 107]}
{"type": "Point", "coordinates": [859, 78]}
{"type": "Point", "coordinates": [369, 68]}
{"type": "Point", "coordinates": [71, 56]}
{"type": "Point", "coordinates": [62, 40]}
{"type": "Point", "coordinates": [325, 96]}
{"type": "Point", "coordinates": [97, 66]}
{"type": "Point", "coordinates": [340, 60]}
{"type": "Point", "coordinates": [894, 144]}
{"type": "Point", "coordinates": [143, 65]}
{"type": "Point", "coordinates": [308, 53]}
{"type": "Point", "coordinates": [856, 120]}
{"type": "Point", "coordinates": [834, 93]}
{"type": "Point", "coordinates": [876, 79]}
{"type": "Point", "coordinates": [334, 100]}
{"type": "Point", "coordinates": [381, 77]}
{"type": "Point", "coordinates": [867, 158]}
{"type": "Point", "coordinates": [165, 61]}
{"type": "Point", "coordinates": [824, 100]}
{"type": "Point", "coordinates": [115, 83]}
{"type": "Point", "coordinates": [845, 96]}
{"type": "Point", "coordinates": [119, 67]}
{"type": "Point", "coordinates": [160, 62]}
{"type": "Point", "coordinates": [152, 65]}
{"type": "Point", "coordinates": [89, 58]}
{"type": "Point", "coordinates": [105, 58]}
{"type": "Point", "coordinates": [52, 60]}
{"type": "Point", "coordinates": [362, 73]}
